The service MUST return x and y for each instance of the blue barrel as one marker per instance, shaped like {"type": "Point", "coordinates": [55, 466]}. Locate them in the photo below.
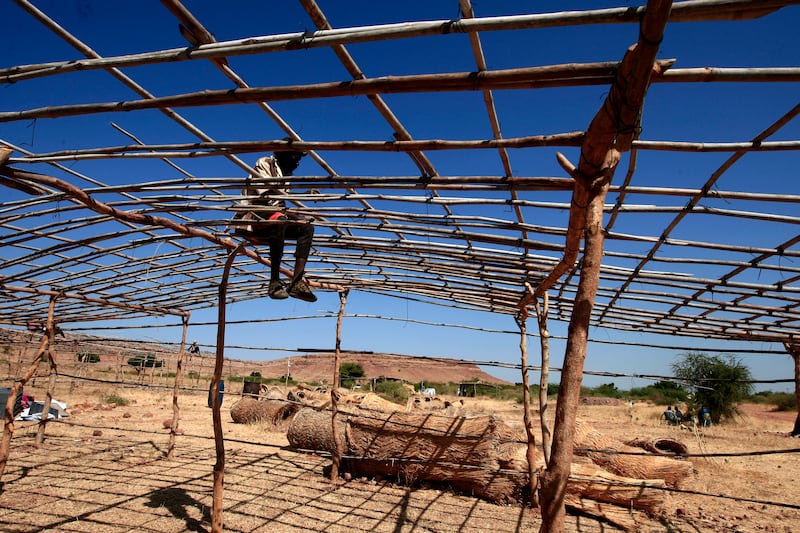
{"type": "Point", "coordinates": [221, 390]}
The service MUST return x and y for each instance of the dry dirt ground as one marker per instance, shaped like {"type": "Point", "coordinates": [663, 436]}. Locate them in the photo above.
{"type": "Point", "coordinates": [104, 470]}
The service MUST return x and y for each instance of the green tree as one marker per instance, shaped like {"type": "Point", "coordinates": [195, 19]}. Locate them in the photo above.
{"type": "Point", "coordinates": [661, 393]}
{"type": "Point", "coordinates": [351, 370]}
{"type": "Point", "coordinates": [607, 390]}
{"type": "Point", "coordinates": [718, 383]}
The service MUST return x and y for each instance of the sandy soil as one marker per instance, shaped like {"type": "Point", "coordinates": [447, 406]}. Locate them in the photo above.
{"type": "Point", "coordinates": [103, 470]}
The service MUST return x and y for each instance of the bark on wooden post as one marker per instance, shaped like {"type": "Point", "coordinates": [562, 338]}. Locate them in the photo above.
{"type": "Point", "coordinates": [544, 336]}
{"type": "Point", "coordinates": [8, 428]}
{"type": "Point", "coordinates": [338, 444]}
{"type": "Point", "coordinates": [176, 410]}
{"type": "Point", "coordinates": [611, 132]}
{"type": "Point", "coordinates": [219, 442]}
{"type": "Point", "coordinates": [52, 372]}
{"type": "Point", "coordinates": [794, 351]}
{"type": "Point", "coordinates": [530, 452]}
{"type": "Point", "coordinates": [554, 481]}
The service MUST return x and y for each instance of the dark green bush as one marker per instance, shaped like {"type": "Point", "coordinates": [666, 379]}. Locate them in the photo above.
{"type": "Point", "coordinates": [145, 361]}
{"type": "Point", "coordinates": [351, 370]}
{"type": "Point", "coordinates": [394, 391]}
{"type": "Point", "coordinates": [783, 401]}
{"type": "Point", "coordinates": [85, 357]}
{"type": "Point", "coordinates": [660, 393]}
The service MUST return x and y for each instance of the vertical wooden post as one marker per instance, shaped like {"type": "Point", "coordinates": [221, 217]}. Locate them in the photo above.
{"type": "Point", "coordinates": [52, 371]}
{"type": "Point", "coordinates": [8, 428]}
{"type": "Point", "coordinates": [794, 350]}
{"type": "Point", "coordinates": [337, 457]}
{"type": "Point", "coordinates": [176, 410]}
{"type": "Point", "coordinates": [544, 376]}
{"type": "Point", "coordinates": [153, 369]}
{"type": "Point", "coordinates": [554, 481]}
{"type": "Point", "coordinates": [219, 442]}
{"type": "Point", "coordinates": [530, 453]}
{"type": "Point", "coordinates": [611, 132]}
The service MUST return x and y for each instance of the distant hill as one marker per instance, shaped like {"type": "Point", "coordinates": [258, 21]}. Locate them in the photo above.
{"type": "Point", "coordinates": [318, 367]}
{"type": "Point", "coordinates": [311, 367]}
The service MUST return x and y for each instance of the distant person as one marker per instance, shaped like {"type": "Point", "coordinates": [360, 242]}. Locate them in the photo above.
{"type": "Point", "coordinates": [678, 414]}
{"type": "Point", "coordinates": [282, 224]}
{"type": "Point", "coordinates": [194, 349]}
{"type": "Point", "coordinates": [669, 416]}
{"type": "Point", "coordinates": [704, 416]}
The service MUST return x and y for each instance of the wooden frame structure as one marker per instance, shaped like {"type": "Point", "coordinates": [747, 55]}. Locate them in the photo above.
{"type": "Point", "coordinates": [124, 222]}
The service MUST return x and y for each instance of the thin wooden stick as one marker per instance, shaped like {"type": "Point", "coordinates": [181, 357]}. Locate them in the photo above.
{"type": "Point", "coordinates": [544, 336]}
{"type": "Point", "coordinates": [219, 441]}
{"type": "Point", "coordinates": [527, 417]}
{"type": "Point", "coordinates": [338, 444]}
{"type": "Point", "coordinates": [176, 410]}
{"type": "Point", "coordinates": [52, 374]}
{"type": "Point", "coordinates": [206, 149]}
{"type": "Point", "coordinates": [539, 77]}
{"type": "Point", "coordinates": [696, 10]}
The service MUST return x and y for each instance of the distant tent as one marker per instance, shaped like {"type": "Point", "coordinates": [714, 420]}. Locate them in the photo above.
{"type": "Point", "coordinates": [471, 389]}
{"type": "Point", "coordinates": [34, 412]}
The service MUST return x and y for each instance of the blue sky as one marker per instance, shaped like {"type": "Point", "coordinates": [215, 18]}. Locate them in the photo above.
{"type": "Point", "coordinates": [113, 28]}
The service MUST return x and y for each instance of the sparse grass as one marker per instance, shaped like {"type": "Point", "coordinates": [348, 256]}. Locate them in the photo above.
{"type": "Point", "coordinates": [115, 399]}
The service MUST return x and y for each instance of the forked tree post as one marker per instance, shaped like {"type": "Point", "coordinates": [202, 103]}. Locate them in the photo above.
{"type": "Point", "coordinates": [611, 132]}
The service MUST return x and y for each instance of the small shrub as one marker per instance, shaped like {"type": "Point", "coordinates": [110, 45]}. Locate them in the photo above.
{"type": "Point", "coordinates": [85, 357]}
{"type": "Point", "coordinates": [660, 393]}
{"type": "Point", "coordinates": [145, 361]}
{"type": "Point", "coordinates": [783, 401]}
{"type": "Point", "coordinates": [394, 391]}
{"type": "Point", "coordinates": [116, 400]}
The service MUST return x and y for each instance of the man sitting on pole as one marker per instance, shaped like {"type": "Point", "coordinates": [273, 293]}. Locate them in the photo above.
{"type": "Point", "coordinates": [275, 224]}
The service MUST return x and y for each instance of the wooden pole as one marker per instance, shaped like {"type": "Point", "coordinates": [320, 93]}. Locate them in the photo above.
{"type": "Point", "coordinates": [176, 410]}
{"type": "Point", "coordinates": [337, 457]}
{"type": "Point", "coordinates": [518, 78]}
{"type": "Point", "coordinates": [52, 371]}
{"type": "Point", "coordinates": [554, 481]}
{"type": "Point", "coordinates": [611, 131]}
{"type": "Point", "coordinates": [544, 376]}
{"type": "Point", "coordinates": [219, 442]}
{"type": "Point", "coordinates": [696, 10]}
{"type": "Point", "coordinates": [530, 452]}
{"type": "Point", "coordinates": [8, 428]}
{"type": "Point", "coordinates": [794, 350]}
